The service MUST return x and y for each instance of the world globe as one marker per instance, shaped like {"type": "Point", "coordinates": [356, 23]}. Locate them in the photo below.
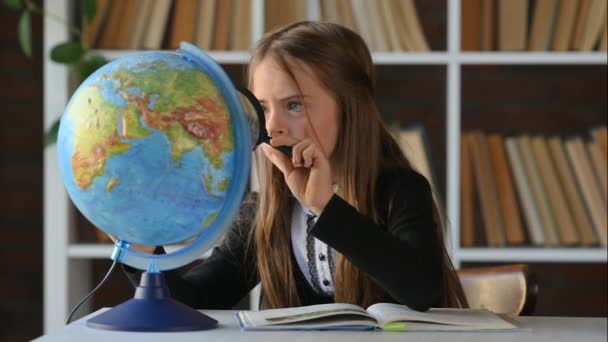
{"type": "Point", "coordinates": [154, 149]}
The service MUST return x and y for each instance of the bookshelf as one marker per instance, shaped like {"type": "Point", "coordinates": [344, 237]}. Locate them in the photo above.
{"type": "Point", "coordinates": [432, 58]}
{"type": "Point", "coordinates": [522, 254]}
{"type": "Point", "coordinates": [67, 269]}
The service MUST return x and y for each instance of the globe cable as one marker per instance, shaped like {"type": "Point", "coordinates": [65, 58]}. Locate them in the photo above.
{"type": "Point", "coordinates": [103, 281]}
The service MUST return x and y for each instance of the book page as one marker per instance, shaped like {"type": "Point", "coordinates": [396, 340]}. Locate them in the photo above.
{"type": "Point", "coordinates": [388, 314]}
{"type": "Point", "coordinates": [300, 314]}
{"type": "Point", "coordinates": [339, 322]}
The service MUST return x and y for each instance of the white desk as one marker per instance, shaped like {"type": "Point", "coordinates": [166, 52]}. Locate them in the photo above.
{"type": "Point", "coordinates": [537, 329]}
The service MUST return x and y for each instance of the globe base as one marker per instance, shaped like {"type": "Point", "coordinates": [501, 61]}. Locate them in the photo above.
{"type": "Point", "coordinates": [152, 309]}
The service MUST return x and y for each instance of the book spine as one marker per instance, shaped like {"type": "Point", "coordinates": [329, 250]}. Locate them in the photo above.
{"type": "Point", "coordinates": [512, 24]}
{"type": "Point", "coordinates": [564, 29]}
{"type": "Point", "coordinates": [538, 191]}
{"type": "Point", "coordinates": [526, 197]}
{"type": "Point", "coordinates": [589, 187]}
{"type": "Point", "coordinates": [573, 197]}
{"type": "Point", "coordinates": [467, 236]}
{"type": "Point", "coordinates": [486, 188]}
{"type": "Point", "coordinates": [514, 231]}
{"type": "Point", "coordinates": [561, 213]}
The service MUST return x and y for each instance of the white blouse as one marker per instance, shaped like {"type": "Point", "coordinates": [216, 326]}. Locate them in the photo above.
{"type": "Point", "coordinates": [315, 258]}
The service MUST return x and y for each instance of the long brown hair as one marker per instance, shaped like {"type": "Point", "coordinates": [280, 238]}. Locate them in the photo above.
{"type": "Point", "coordinates": [342, 64]}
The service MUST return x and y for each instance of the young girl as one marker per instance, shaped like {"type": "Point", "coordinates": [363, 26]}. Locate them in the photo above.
{"type": "Point", "coordinates": [346, 219]}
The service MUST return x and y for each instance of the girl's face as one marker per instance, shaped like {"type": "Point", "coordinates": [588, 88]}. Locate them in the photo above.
{"type": "Point", "coordinates": [284, 108]}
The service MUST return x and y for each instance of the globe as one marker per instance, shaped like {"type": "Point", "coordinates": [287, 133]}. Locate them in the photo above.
{"type": "Point", "coordinates": [154, 149]}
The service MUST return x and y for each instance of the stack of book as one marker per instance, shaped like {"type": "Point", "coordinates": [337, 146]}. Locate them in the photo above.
{"type": "Point", "coordinates": [540, 25]}
{"type": "Point", "coordinates": [158, 24]}
{"type": "Point", "coordinates": [385, 25]}
{"type": "Point", "coordinates": [534, 190]}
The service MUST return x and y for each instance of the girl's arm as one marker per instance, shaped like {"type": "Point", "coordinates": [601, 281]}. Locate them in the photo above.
{"type": "Point", "coordinates": [402, 256]}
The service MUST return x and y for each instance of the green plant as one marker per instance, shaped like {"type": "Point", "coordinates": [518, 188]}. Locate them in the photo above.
{"type": "Point", "coordinates": [74, 53]}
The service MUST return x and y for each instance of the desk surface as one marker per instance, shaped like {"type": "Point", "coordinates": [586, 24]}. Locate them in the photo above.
{"type": "Point", "coordinates": [537, 329]}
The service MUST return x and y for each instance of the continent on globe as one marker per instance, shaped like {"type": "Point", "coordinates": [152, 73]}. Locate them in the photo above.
{"type": "Point", "coordinates": [111, 184]}
{"type": "Point", "coordinates": [128, 102]}
{"type": "Point", "coordinates": [94, 140]}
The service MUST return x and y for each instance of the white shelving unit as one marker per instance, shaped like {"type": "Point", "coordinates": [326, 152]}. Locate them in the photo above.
{"type": "Point", "coordinates": [66, 263]}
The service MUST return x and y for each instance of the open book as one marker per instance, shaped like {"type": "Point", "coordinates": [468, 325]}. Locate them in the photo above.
{"type": "Point", "coordinates": [381, 316]}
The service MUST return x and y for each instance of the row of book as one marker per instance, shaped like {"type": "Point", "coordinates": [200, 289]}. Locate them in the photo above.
{"type": "Point", "coordinates": [534, 190]}
{"type": "Point", "coordinates": [534, 25]}
{"type": "Point", "coordinates": [158, 24]}
{"type": "Point", "coordinates": [386, 25]}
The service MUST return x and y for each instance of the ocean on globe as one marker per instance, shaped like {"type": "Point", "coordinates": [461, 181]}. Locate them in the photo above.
{"type": "Point", "coordinates": [147, 148]}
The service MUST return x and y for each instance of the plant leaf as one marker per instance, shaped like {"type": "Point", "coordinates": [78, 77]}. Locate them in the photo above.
{"type": "Point", "coordinates": [25, 33]}
{"type": "Point", "coordinates": [15, 5]}
{"type": "Point", "coordinates": [90, 65]}
{"type": "Point", "coordinates": [67, 53]}
{"type": "Point", "coordinates": [50, 136]}
{"type": "Point", "coordinates": [89, 8]}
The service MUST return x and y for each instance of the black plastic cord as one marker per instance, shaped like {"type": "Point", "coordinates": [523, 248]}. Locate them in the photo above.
{"type": "Point", "coordinates": [131, 281]}
{"type": "Point", "coordinates": [92, 292]}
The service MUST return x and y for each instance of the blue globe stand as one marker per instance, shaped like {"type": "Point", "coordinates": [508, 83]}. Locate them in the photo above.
{"type": "Point", "coordinates": [152, 309]}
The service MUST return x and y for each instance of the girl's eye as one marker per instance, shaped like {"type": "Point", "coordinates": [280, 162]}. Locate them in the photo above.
{"type": "Point", "coordinates": [294, 106]}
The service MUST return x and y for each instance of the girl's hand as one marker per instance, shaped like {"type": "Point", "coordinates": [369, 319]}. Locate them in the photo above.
{"type": "Point", "coordinates": [307, 174]}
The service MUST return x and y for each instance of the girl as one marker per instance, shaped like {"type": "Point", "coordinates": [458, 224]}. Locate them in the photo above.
{"type": "Point", "coordinates": [346, 219]}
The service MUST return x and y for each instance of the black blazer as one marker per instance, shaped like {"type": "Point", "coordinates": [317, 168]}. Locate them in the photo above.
{"type": "Point", "coordinates": [402, 255]}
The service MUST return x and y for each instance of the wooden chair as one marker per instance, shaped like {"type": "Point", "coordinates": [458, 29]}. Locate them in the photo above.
{"type": "Point", "coordinates": [509, 289]}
